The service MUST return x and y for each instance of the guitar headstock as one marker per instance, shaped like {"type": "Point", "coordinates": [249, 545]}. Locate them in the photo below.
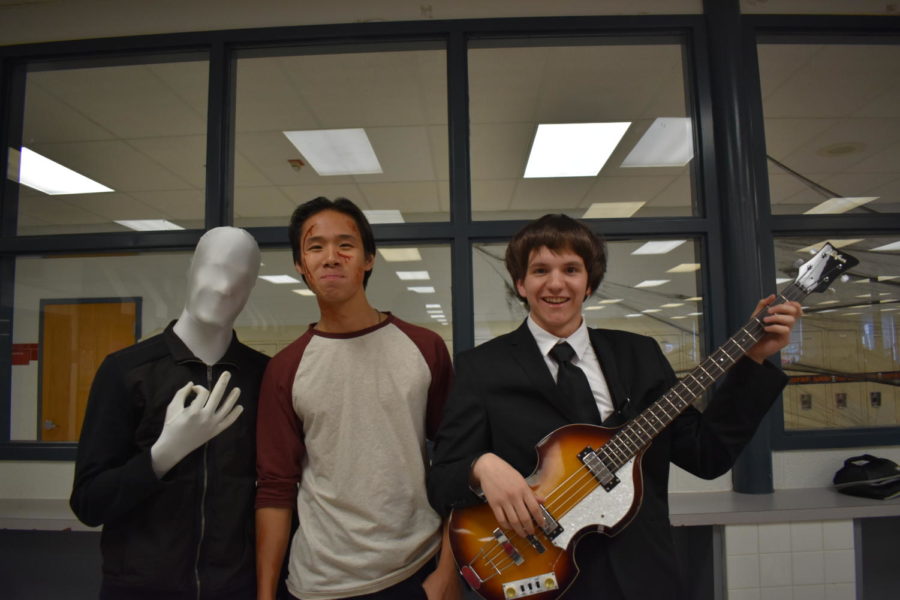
{"type": "Point", "coordinates": [821, 270]}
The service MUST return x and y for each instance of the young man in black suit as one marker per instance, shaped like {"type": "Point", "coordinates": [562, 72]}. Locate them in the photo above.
{"type": "Point", "coordinates": [505, 400]}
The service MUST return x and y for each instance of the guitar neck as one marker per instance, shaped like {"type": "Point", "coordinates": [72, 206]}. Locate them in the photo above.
{"type": "Point", "coordinates": [639, 432]}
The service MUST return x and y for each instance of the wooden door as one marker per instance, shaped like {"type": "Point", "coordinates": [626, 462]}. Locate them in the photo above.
{"type": "Point", "coordinates": [76, 335]}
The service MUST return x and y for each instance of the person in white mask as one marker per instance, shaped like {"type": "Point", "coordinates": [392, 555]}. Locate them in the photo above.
{"type": "Point", "coordinates": [166, 458]}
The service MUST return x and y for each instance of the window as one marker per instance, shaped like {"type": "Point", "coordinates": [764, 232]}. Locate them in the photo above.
{"type": "Point", "coordinates": [832, 127]}
{"type": "Point", "coordinates": [589, 129]}
{"type": "Point", "coordinates": [300, 118]}
{"type": "Point", "coordinates": [128, 141]}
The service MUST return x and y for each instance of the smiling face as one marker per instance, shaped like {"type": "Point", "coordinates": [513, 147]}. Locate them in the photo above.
{"type": "Point", "coordinates": [332, 258]}
{"type": "Point", "coordinates": [555, 286]}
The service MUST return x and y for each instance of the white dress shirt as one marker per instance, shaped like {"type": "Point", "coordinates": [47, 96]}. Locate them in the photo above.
{"type": "Point", "coordinates": [585, 359]}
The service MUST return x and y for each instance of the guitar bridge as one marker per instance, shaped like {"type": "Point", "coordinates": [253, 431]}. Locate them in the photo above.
{"type": "Point", "coordinates": [508, 547]}
{"type": "Point", "coordinates": [599, 470]}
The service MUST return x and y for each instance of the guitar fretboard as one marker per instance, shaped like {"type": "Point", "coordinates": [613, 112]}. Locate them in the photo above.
{"type": "Point", "coordinates": [640, 431]}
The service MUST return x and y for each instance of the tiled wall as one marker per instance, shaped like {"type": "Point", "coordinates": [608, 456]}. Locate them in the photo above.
{"type": "Point", "coordinates": [790, 561]}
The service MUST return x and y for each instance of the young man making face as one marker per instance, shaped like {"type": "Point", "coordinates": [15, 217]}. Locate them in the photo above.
{"type": "Point", "coordinates": [344, 413]}
{"type": "Point", "coordinates": [505, 400]}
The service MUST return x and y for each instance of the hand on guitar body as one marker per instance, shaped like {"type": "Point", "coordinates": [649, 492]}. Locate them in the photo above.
{"type": "Point", "coordinates": [778, 322]}
{"type": "Point", "coordinates": [514, 503]}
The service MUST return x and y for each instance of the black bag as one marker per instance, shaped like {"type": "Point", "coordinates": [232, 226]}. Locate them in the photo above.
{"type": "Point", "coordinates": [868, 476]}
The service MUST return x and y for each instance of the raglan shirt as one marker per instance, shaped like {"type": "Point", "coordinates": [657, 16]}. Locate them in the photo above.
{"type": "Point", "coordinates": [345, 417]}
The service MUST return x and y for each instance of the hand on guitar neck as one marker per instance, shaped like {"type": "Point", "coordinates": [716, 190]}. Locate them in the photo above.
{"type": "Point", "coordinates": [777, 324]}
{"type": "Point", "coordinates": [514, 503]}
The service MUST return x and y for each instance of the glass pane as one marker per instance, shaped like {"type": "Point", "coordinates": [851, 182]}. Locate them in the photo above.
{"type": "Point", "coordinates": [826, 7]}
{"type": "Point", "coordinates": [844, 359]}
{"type": "Point", "coordinates": [395, 101]}
{"type": "Point", "coordinates": [832, 124]}
{"type": "Point", "coordinates": [274, 316]}
{"type": "Point", "coordinates": [520, 95]}
{"type": "Point", "coordinates": [154, 280]}
{"type": "Point", "coordinates": [651, 294]}
{"type": "Point", "coordinates": [137, 132]}
{"type": "Point", "coordinates": [413, 282]}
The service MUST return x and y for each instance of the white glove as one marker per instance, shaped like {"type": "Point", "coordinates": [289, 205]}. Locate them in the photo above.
{"type": "Point", "coordinates": [188, 428]}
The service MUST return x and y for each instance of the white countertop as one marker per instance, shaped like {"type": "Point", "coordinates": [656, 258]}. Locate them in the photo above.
{"type": "Point", "coordinates": [687, 509]}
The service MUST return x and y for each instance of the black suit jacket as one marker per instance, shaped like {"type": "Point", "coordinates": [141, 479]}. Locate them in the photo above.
{"type": "Point", "coordinates": [504, 401]}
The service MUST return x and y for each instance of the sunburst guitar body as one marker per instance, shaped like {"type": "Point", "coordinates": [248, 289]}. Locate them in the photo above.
{"type": "Point", "coordinates": [501, 565]}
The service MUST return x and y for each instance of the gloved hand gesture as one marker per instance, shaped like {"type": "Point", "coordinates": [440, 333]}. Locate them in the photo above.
{"type": "Point", "coordinates": [189, 427]}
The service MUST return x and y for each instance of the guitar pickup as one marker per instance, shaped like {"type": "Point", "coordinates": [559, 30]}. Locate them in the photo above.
{"type": "Point", "coordinates": [600, 471]}
{"type": "Point", "coordinates": [536, 544]}
{"type": "Point", "coordinates": [551, 526]}
{"type": "Point", "coordinates": [508, 547]}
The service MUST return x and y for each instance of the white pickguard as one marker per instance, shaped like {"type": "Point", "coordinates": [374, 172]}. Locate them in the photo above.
{"type": "Point", "coordinates": [599, 507]}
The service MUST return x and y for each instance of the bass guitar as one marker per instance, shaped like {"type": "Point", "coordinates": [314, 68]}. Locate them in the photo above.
{"type": "Point", "coordinates": [590, 476]}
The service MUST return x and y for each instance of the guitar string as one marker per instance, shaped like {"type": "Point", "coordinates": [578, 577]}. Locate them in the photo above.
{"type": "Point", "coordinates": [590, 480]}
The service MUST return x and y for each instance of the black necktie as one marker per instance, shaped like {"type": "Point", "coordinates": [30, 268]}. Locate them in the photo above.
{"type": "Point", "coordinates": [573, 387]}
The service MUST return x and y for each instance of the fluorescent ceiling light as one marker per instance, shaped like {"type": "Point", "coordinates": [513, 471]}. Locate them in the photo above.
{"type": "Point", "coordinates": [376, 217]}
{"type": "Point", "coordinates": [694, 314]}
{"type": "Point", "coordinates": [780, 280]}
{"type": "Point", "coordinates": [421, 289]}
{"type": "Point", "coordinates": [336, 151]}
{"type": "Point", "coordinates": [694, 299]}
{"type": "Point", "coordinates": [651, 310]}
{"type": "Point", "coordinates": [633, 315]}
{"type": "Point", "coordinates": [594, 307]}
{"type": "Point", "coordinates": [304, 292]}
{"type": "Point", "coordinates": [828, 302]}
{"type": "Point", "coordinates": [279, 279]}
{"type": "Point", "coordinates": [48, 176]}
{"type": "Point", "coordinates": [811, 249]}
{"type": "Point", "coordinates": [432, 306]}
{"type": "Point", "coordinates": [611, 300]}
{"type": "Point", "coordinates": [400, 254]}
{"type": "Point", "coordinates": [887, 247]}
{"type": "Point", "coordinates": [572, 149]}
{"type": "Point", "coordinates": [149, 224]}
{"type": "Point", "coordinates": [413, 275]}
{"type": "Point", "coordinates": [685, 268]}
{"type": "Point", "coordinates": [668, 142]}
{"type": "Point", "coordinates": [612, 210]}
{"type": "Point", "coordinates": [680, 317]}
{"type": "Point", "coordinates": [887, 277]}
{"type": "Point", "coordinates": [834, 206]}
{"type": "Point", "coordinates": [652, 283]}
{"type": "Point", "coordinates": [672, 305]}
{"type": "Point", "coordinates": [659, 247]}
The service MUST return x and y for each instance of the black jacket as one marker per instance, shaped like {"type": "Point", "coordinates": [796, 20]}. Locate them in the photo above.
{"type": "Point", "coordinates": [504, 401]}
{"type": "Point", "coordinates": [190, 534]}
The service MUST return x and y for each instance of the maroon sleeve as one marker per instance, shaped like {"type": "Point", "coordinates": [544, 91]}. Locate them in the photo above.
{"type": "Point", "coordinates": [279, 432]}
{"type": "Point", "coordinates": [435, 352]}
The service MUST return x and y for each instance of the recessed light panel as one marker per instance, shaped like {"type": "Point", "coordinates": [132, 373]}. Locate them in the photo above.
{"type": "Point", "coordinates": [668, 142]}
{"type": "Point", "coordinates": [48, 176]}
{"type": "Point", "coordinates": [573, 149]}
{"type": "Point", "coordinates": [336, 151]}
{"type": "Point", "coordinates": [149, 224]}
{"type": "Point", "coordinates": [661, 247]}
{"type": "Point", "coordinates": [400, 254]}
